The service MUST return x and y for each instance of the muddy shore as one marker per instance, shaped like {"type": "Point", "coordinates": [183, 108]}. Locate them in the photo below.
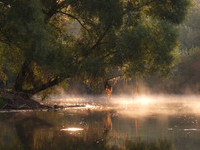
{"type": "Point", "coordinates": [18, 101]}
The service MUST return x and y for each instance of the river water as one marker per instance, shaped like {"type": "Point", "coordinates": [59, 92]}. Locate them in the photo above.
{"type": "Point", "coordinates": [132, 123]}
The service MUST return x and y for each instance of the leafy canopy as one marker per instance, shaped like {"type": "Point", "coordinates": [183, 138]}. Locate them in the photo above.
{"type": "Point", "coordinates": [89, 39]}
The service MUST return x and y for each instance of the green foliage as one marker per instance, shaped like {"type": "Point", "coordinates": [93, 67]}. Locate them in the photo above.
{"type": "Point", "coordinates": [147, 48]}
{"type": "Point", "coordinates": [172, 10]}
{"type": "Point", "coordinates": [2, 103]}
{"type": "Point", "coordinates": [108, 12]}
{"type": "Point", "coordinates": [190, 30]}
{"type": "Point", "coordinates": [188, 71]}
{"type": "Point", "coordinates": [87, 39]}
{"type": "Point", "coordinates": [56, 90]}
{"type": "Point", "coordinates": [10, 61]}
{"type": "Point", "coordinates": [185, 78]}
{"type": "Point", "coordinates": [24, 27]}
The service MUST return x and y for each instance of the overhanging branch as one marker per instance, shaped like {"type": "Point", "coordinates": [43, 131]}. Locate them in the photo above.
{"type": "Point", "coordinates": [74, 17]}
{"type": "Point", "coordinates": [101, 37]}
{"type": "Point", "coordinates": [46, 85]}
{"type": "Point", "coordinates": [115, 77]}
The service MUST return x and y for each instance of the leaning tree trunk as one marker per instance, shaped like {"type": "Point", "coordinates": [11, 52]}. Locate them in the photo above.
{"type": "Point", "coordinates": [21, 76]}
{"type": "Point", "coordinates": [45, 85]}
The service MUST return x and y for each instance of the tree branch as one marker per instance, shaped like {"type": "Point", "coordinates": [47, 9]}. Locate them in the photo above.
{"type": "Point", "coordinates": [73, 17]}
{"type": "Point", "coordinates": [21, 76]}
{"type": "Point", "coordinates": [111, 53]}
{"type": "Point", "coordinates": [46, 85]}
{"type": "Point", "coordinates": [115, 77]}
{"type": "Point", "coordinates": [57, 5]}
{"type": "Point", "coordinates": [101, 37]}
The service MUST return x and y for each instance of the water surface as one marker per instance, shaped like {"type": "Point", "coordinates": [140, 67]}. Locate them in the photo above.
{"type": "Point", "coordinates": [141, 124]}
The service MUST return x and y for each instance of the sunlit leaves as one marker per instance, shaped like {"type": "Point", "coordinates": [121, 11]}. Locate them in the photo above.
{"type": "Point", "coordinates": [171, 10]}
{"type": "Point", "coordinates": [99, 11]}
{"type": "Point", "coordinates": [87, 39]}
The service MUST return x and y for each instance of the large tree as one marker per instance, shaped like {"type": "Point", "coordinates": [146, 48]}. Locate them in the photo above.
{"type": "Point", "coordinates": [45, 42]}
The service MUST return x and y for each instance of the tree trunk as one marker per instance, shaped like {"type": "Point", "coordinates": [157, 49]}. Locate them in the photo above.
{"type": "Point", "coordinates": [21, 76]}
{"type": "Point", "coordinates": [25, 69]}
{"type": "Point", "coordinates": [45, 86]}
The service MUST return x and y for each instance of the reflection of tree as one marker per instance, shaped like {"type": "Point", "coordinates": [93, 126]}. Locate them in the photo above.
{"type": "Point", "coordinates": [107, 122]}
{"type": "Point", "coordinates": [162, 144]}
{"type": "Point", "coordinates": [63, 141]}
{"type": "Point", "coordinates": [26, 128]}
{"type": "Point", "coordinates": [93, 137]}
{"type": "Point", "coordinates": [8, 140]}
{"type": "Point", "coordinates": [36, 134]}
{"type": "Point", "coordinates": [136, 127]}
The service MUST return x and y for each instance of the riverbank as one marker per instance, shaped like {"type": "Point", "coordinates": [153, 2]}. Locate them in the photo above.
{"type": "Point", "coordinates": [18, 101]}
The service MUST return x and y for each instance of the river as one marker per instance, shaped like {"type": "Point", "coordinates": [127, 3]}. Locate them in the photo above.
{"type": "Point", "coordinates": [135, 123]}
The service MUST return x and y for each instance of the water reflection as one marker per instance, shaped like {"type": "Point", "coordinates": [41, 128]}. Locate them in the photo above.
{"type": "Point", "coordinates": [101, 130]}
{"type": "Point", "coordinates": [107, 123]}
{"type": "Point", "coordinates": [161, 144]}
{"type": "Point", "coordinates": [72, 129]}
{"type": "Point", "coordinates": [26, 129]}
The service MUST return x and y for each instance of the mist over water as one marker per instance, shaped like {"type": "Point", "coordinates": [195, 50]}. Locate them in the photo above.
{"type": "Point", "coordinates": [132, 105]}
{"type": "Point", "coordinates": [170, 122]}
